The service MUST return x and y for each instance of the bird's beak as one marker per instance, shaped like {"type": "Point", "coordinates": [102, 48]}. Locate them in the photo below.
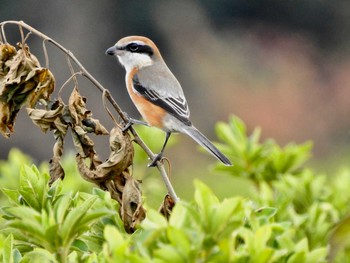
{"type": "Point", "coordinates": [112, 51]}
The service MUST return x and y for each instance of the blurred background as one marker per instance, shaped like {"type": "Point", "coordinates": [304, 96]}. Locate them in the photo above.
{"type": "Point", "coordinates": [281, 65]}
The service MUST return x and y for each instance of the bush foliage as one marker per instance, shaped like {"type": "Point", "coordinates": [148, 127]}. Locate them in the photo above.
{"type": "Point", "coordinates": [291, 217]}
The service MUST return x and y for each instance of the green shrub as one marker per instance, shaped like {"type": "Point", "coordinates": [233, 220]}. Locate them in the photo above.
{"type": "Point", "coordinates": [290, 217]}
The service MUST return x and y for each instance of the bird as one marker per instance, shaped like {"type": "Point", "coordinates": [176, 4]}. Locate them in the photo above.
{"type": "Point", "coordinates": [156, 92]}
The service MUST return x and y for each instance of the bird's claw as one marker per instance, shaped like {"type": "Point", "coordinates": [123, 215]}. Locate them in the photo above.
{"type": "Point", "coordinates": [157, 158]}
{"type": "Point", "coordinates": [131, 121]}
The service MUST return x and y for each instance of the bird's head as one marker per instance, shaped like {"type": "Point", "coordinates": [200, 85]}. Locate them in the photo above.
{"type": "Point", "coordinates": [135, 52]}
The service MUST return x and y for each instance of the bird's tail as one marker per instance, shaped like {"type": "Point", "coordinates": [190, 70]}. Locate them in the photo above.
{"type": "Point", "coordinates": [204, 142]}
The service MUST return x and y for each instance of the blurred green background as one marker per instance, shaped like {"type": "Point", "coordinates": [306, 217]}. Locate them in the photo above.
{"type": "Point", "coordinates": [280, 65]}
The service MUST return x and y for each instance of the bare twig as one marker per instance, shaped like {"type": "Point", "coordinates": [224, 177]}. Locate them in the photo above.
{"type": "Point", "coordinates": [73, 76]}
{"type": "Point", "coordinates": [86, 74]}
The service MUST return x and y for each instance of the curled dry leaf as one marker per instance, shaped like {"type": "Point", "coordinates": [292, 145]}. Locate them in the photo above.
{"type": "Point", "coordinates": [120, 158]}
{"type": "Point", "coordinates": [76, 105]}
{"type": "Point", "coordinates": [45, 119]}
{"type": "Point", "coordinates": [83, 144]}
{"type": "Point", "coordinates": [83, 123]}
{"type": "Point", "coordinates": [55, 169]}
{"type": "Point", "coordinates": [22, 82]}
{"type": "Point", "coordinates": [167, 206]}
{"type": "Point", "coordinates": [52, 119]}
{"type": "Point", "coordinates": [114, 175]}
{"type": "Point", "coordinates": [83, 117]}
{"type": "Point", "coordinates": [84, 171]}
{"type": "Point", "coordinates": [132, 211]}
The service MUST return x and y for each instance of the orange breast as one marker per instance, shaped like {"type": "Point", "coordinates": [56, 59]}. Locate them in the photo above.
{"type": "Point", "coordinates": [151, 113]}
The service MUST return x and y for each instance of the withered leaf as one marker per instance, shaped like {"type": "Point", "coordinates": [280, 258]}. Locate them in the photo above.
{"type": "Point", "coordinates": [82, 116]}
{"type": "Point", "coordinates": [55, 169]}
{"type": "Point", "coordinates": [58, 147]}
{"type": "Point", "coordinates": [132, 211]}
{"type": "Point", "coordinates": [94, 125]}
{"type": "Point", "coordinates": [45, 119]}
{"type": "Point", "coordinates": [121, 156]}
{"type": "Point", "coordinates": [22, 81]}
{"type": "Point", "coordinates": [45, 85]}
{"type": "Point", "coordinates": [5, 121]}
{"type": "Point", "coordinates": [83, 144]}
{"type": "Point", "coordinates": [7, 51]}
{"type": "Point", "coordinates": [84, 171]}
{"type": "Point", "coordinates": [167, 206]}
{"type": "Point", "coordinates": [76, 105]}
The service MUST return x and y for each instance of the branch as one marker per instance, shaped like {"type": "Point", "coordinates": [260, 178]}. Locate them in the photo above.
{"type": "Point", "coordinates": [86, 74]}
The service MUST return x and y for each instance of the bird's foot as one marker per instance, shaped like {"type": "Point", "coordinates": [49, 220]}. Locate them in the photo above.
{"type": "Point", "coordinates": [131, 121]}
{"type": "Point", "coordinates": [157, 158]}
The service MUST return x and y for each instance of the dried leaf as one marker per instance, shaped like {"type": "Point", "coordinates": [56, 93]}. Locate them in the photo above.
{"type": "Point", "coordinates": [83, 117]}
{"type": "Point", "coordinates": [5, 123]}
{"type": "Point", "coordinates": [55, 169]}
{"type": "Point", "coordinates": [45, 85]}
{"type": "Point", "coordinates": [6, 53]}
{"type": "Point", "coordinates": [22, 81]}
{"type": "Point", "coordinates": [121, 156]}
{"type": "Point", "coordinates": [84, 171]}
{"type": "Point", "coordinates": [79, 117]}
{"type": "Point", "coordinates": [94, 125]}
{"type": "Point", "coordinates": [113, 175]}
{"type": "Point", "coordinates": [45, 119]}
{"type": "Point", "coordinates": [167, 206]}
{"type": "Point", "coordinates": [132, 211]}
{"type": "Point", "coordinates": [76, 105]}
{"type": "Point", "coordinates": [83, 144]}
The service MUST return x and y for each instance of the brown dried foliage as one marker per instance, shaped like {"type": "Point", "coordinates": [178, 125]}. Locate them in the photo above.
{"type": "Point", "coordinates": [23, 82]}
{"type": "Point", "coordinates": [167, 206]}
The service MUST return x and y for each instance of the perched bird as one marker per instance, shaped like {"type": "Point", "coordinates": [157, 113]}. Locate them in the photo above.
{"type": "Point", "coordinates": [156, 92]}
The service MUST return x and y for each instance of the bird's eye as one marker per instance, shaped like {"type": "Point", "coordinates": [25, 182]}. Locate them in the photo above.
{"type": "Point", "coordinates": [133, 47]}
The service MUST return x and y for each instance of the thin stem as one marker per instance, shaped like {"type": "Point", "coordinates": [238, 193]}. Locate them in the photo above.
{"type": "Point", "coordinates": [47, 63]}
{"type": "Point", "coordinates": [3, 36]}
{"type": "Point", "coordinates": [86, 74]}
{"type": "Point", "coordinates": [73, 76]}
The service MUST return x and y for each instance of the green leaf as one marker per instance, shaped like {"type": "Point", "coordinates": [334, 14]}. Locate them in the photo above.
{"type": "Point", "coordinates": [179, 239]}
{"type": "Point", "coordinates": [261, 237]}
{"type": "Point", "coordinates": [154, 220]}
{"type": "Point", "coordinates": [7, 250]}
{"type": "Point", "coordinates": [318, 255]}
{"type": "Point", "coordinates": [61, 207]}
{"type": "Point", "coordinates": [80, 246]}
{"type": "Point", "coordinates": [223, 215]}
{"type": "Point", "coordinates": [205, 199]}
{"type": "Point", "coordinates": [266, 214]}
{"type": "Point", "coordinates": [297, 257]}
{"type": "Point", "coordinates": [340, 237]}
{"type": "Point", "coordinates": [9, 253]}
{"type": "Point", "coordinates": [169, 253]}
{"type": "Point", "coordinates": [11, 194]}
{"type": "Point", "coordinates": [39, 255]}
{"type": "Point", "coordinates": [74, 218]}
{"type": "Point", "coordinates": [33, 187]}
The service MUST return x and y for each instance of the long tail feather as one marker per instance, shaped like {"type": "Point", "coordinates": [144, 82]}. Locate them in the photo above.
{"type": "Point", "coordinates": [204, 142]}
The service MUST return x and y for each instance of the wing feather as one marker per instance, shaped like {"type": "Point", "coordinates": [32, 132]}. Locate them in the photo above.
{"type": "Point", "coordinates": [176, 106]}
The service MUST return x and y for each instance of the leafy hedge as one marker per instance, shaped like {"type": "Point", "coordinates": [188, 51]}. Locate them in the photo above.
{"type": "Point", "coordinates": [290, 217]}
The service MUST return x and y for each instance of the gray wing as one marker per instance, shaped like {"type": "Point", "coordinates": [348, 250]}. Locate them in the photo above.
{"type": "Point", "coordinates": [173, 102]}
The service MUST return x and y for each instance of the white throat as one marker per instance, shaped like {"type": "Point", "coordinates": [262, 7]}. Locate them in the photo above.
{"type": "Point", "coordinates": [134, 60]}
